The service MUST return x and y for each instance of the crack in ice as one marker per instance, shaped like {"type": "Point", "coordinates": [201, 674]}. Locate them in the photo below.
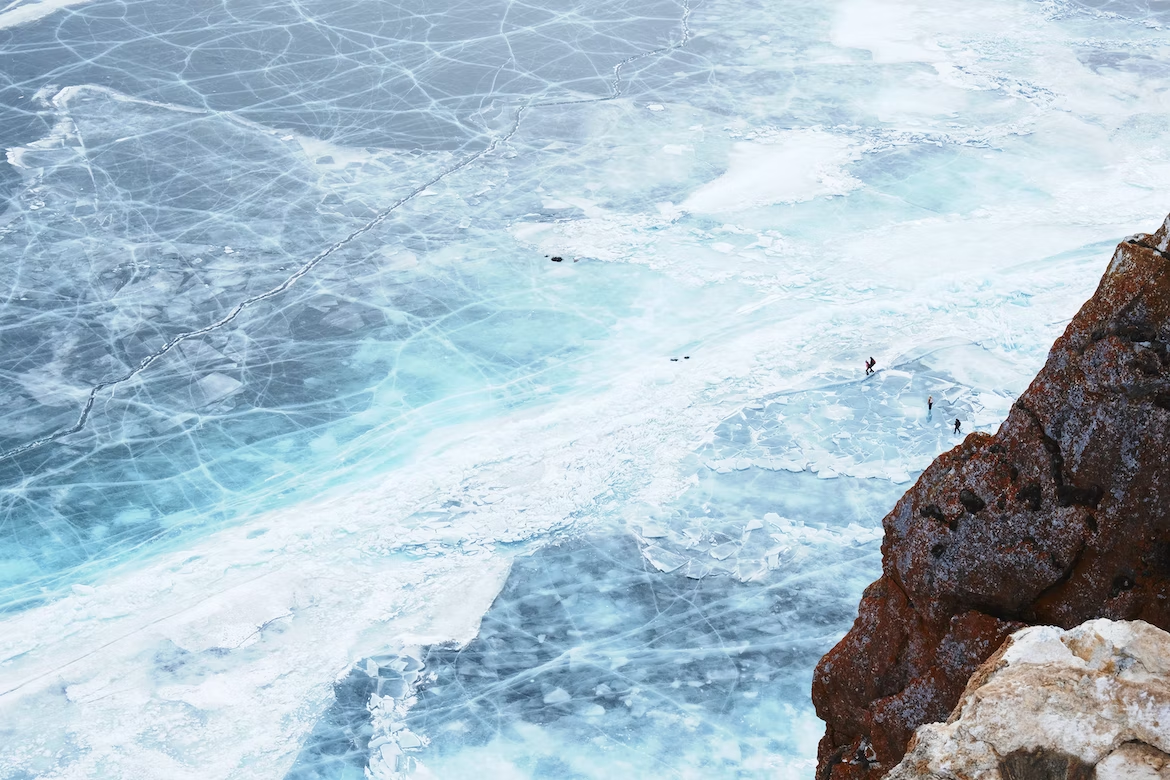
{"type": "Point", "coordinates": [616, 91]}
{"type": "Point", "coordinates": [272, 292]}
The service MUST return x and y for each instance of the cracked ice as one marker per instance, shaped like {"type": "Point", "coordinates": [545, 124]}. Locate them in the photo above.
{"type": "Point", "coordinates": [313, 465]}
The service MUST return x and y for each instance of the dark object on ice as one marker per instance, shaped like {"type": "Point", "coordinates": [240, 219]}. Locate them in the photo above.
{"type": "Point", "coordinates": [674, 360]}
{"type": "Point", "coordinates": [958, 425]}
{"type": "Point", "coordinates": [1075, 526]}
{"type": "Point", "coordinates": [686, 357]}
{"type": "Point", "coordinates": [869, 364]}
{"type": "Point", "coordinates": [558, 259]}
{"type": "Point", "coordinates": [929, 402]}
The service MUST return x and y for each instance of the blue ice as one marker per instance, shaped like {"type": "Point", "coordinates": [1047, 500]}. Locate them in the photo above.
{"type": "Point", "coordinates": [314, 464]}
{"type": "Point", "coordinates": [593, 662]}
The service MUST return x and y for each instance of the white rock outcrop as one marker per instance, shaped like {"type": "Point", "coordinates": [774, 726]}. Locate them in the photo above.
{"type": "Point", "coordinates": [1090, 701]}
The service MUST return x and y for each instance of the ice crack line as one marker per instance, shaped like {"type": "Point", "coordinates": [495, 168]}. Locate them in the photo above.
{"type": "Point", "coordinates": [615, 85]}
{"type": "Point", "coordinates": [236, 310]}
{"type": "Point", "coordinates": [616, 91]}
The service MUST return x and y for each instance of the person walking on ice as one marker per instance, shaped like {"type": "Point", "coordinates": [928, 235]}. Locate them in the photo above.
{"type": "Point", "coordinates": [929, 403]}
{"type": "Point", "coordinates": [869, 364]}
{"type": "Point", "coordinates": [958, 425]}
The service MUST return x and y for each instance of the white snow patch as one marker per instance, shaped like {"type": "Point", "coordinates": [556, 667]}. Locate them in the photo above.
{"type": "Point", "coordinates": [797, 166]}
{"type": "Point", "coordinates": [31, 12]}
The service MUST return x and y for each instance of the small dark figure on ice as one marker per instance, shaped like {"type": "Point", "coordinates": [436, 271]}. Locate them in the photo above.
{"type": "Point", "coordinates": [929, 402]}
{"type": "Point", "coordinates": [869, 364]}
{"type": "Point", "coordinates": [958, 425]}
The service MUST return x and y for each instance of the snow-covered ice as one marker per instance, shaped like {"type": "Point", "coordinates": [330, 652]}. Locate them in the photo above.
{"type": "Point", "coordinates": [313, 464]}
{"type": "Point", "coordinates": [792, 167]}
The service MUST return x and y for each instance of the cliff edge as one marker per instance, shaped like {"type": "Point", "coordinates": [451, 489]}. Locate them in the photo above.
{"type": "Point", "coordinates": [1061, 517]}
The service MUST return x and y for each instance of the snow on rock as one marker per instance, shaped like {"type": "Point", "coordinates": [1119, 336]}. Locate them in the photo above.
{"type": "Point", "coordinates": [1056, 703]}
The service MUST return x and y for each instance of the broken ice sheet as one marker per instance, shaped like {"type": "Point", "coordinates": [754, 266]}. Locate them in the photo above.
{"type": "Point", "coordinates": [663, 560]}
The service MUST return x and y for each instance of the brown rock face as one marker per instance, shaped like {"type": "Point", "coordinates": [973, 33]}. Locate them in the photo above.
{"type": "Point", "coordinates": [1060, 517]}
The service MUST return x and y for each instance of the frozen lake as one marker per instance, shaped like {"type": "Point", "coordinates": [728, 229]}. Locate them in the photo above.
{"type": "Point", "coordinates": [447, 390]}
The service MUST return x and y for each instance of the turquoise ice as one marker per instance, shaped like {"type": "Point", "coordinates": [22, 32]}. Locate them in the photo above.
{"type": "Point", "coordinates": [314, 463]}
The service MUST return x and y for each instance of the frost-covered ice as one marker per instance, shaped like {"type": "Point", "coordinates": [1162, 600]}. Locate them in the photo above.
{"type": "Point", "coordinates": [291, 389]}
{"type": "Point", "coordinates": [593, 663]}
{"type": "Point", "coordinates": [789, 168]}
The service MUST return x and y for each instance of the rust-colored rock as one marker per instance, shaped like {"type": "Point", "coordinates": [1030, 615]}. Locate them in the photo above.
{"type": "Point", "coordinates": [1061, 517]}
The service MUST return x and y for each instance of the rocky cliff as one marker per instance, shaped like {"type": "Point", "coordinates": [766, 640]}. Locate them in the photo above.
{"type": "Point", "coordinates": [1060, 517]}
{"type": "Point", "coordinates": [1090, 702]}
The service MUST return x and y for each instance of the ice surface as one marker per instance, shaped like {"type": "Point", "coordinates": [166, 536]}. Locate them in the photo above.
{"type": "Point", "coordinates": [290, 389]}
{"type": "Point", "coordinates": [792, 167]}
{"type": "Point", "coordinates": [590, 662]}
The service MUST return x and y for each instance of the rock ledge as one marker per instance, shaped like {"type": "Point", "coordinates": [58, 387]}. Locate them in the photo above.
{"type": "Point", "coordinates": [1052, 703]}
